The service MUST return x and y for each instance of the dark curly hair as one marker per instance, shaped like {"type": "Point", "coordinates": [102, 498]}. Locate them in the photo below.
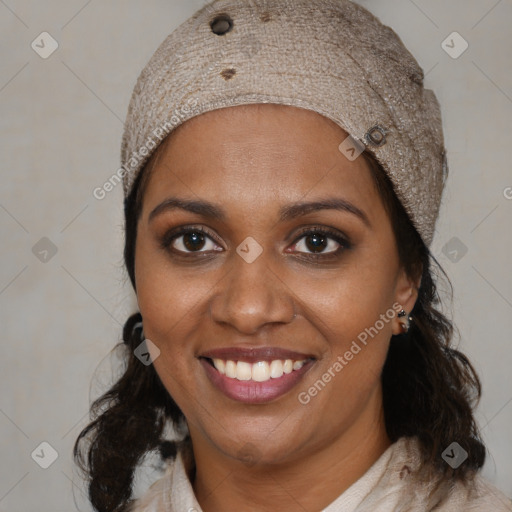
{"type": "Point", "coordinates": [429, 387]}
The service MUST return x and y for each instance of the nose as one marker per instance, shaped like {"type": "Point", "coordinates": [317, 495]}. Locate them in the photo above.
{"type": "Point", "coordinates": [251, 296]}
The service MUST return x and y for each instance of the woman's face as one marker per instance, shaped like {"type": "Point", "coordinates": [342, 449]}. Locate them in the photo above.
{"type": "Point", "coordinates": [298, 263]}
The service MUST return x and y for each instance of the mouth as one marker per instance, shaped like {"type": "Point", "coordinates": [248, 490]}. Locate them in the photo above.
{"type": "Point", "coordinates": [255, 376]}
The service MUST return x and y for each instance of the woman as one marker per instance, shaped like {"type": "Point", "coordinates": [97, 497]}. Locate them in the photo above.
{"type": "Point", "coordinates": [283, 168]}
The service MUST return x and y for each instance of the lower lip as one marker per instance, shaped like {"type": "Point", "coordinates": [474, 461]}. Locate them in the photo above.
{"type": "Point", "coordinates": [251, 392]}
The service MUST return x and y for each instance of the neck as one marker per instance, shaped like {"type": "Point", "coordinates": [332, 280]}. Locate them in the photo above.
{"type": "Point", "coordinates": [312, 481]}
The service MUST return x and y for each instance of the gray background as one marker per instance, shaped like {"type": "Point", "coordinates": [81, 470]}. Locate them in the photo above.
{"type": "Point", "coordinates": [61, 124]}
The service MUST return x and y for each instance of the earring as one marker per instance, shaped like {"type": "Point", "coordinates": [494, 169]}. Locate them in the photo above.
{"type": "Point", "coordinates": [406, 322]}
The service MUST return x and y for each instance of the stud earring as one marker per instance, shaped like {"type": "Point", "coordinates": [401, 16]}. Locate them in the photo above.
{"type": "Point", "coordinates": [405, 321]}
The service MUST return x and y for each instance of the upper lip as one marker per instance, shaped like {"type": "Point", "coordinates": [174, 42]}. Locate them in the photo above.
{"type": "Point", "coordinates": [253, 355]}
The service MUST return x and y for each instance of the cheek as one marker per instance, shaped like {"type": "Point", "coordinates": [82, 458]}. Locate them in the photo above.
{"type": "Point", "coordinates": [353, 310]}
{"type": "Point", "coordinates": [350, 300]}
{"type": "Point", "coordinates": [348, 377]}
{"type": "Point", "coordinates": [165, 304]}
{"type": "Point", "coordinates": [172, 304]}
{"type": "Point", "coordinates": [167, 298]}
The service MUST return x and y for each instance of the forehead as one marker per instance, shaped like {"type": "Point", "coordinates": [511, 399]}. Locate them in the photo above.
{"type": "Point", "coordinates": [279, 127]}
{"type": "Point", "coordinates": [266, 148]}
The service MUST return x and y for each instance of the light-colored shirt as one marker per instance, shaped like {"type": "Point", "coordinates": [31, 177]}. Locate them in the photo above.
{"type": "Point", "coordinates": [391, 484]}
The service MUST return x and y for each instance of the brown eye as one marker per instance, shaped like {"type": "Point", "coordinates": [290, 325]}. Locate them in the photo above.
{"type": "Point", "coordinates": [316, 243]}
{"type": "Point", "coordinates": [320, 242]}
{"type": "Point", "coordinates": [191, 240]}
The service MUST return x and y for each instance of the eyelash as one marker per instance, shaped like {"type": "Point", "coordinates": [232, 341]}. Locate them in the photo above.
{"type": "Point", "coordinates": [169, 238]}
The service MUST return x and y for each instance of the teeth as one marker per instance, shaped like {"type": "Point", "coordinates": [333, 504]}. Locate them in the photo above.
{"type": "Point", "coordinates": [276, 369]}
{"type": "Point", "coordinates": [261, 371]}
{"type": "Point", "coordinates": [220, 365]}
{"type": "Point", "coordinates": [297, 365]}
{"type": "Point", "coordinates": [230, 369]}
{"type": "Point", "coordinates": [243, 370]}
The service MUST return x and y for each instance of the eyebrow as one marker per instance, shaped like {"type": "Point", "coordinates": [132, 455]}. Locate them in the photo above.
{"type": "Point", "coordinates": [286, 213]}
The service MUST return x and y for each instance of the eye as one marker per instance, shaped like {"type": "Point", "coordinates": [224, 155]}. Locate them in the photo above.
{"type": "Point", "coordinates": [191, 240]}
{"type": "Point", "coordinates": [320, 241]}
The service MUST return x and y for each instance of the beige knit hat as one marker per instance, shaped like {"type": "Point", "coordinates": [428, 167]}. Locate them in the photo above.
{"type": "Point", "coordinates": [329, 56]}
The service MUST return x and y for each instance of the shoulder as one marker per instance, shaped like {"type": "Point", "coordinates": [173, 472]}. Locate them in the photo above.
{"type": "Point", "coordinates": [172, 492]}
{"type": "Point", "coordinates": [443, 495]}
{"type": "Point", "coordinates": [153, 499]}
{"type": "Point", "coordinates": [474, 496]}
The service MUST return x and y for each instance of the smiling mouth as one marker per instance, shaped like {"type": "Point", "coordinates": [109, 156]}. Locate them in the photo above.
{"type": "Point", "coordinates": [261, 371]}
{"type": "Point", "coordinates": [255, 375]}
{"type": "Point", "coordinates": [258, 381]}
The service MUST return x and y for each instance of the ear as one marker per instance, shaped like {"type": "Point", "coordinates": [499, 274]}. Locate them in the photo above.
{"type": "Point", "coordinates": [406, 294]}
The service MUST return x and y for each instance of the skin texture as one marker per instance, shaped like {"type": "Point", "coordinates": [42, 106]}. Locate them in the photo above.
{"type": "Point", "coordinates": [251, 161]}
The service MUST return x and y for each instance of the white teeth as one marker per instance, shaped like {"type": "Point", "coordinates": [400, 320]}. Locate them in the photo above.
{"type": "Point", "coordinates": [261, 371]}
{"type": "Point", "coordinates": [243, 370]}
{"type": "Point", "coordinates": [220, 365]}
{"type": "Point", "coordinates": [297, 365]}
{"type": "Point", "coordinates": [231, 369]}
{"type": "Point", "coordinates": [276, 369]}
